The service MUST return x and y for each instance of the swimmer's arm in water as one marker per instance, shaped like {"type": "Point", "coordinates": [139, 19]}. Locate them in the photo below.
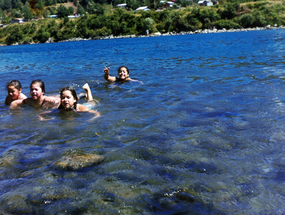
{"type": "Point", "coordinates": [136, 81]}
{"type": "Point", "coordinates": [43, 115]}
{"type": "Point", "coordinates": [8, 99]}
{"type": "Point", "coordinates": [15, 105]}
{"type": "Point", "coordinates": [107, 76]}
{"type": "Point", "coordinates": [51, 102]}
{"type": "Point", "coordinates": [96, 115]}
{"type": "Point", "coordinates": [83, 108]}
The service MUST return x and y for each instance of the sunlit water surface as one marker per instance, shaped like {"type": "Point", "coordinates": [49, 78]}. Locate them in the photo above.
{"type": "Point", "coordinates": [203, 134]}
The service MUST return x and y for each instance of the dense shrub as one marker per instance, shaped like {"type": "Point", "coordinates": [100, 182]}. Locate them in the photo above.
{"type": "Point", "coordinates": [227, 24]}
{"type": "Point", "coordinates": [246, 20]}
{"type": "Point", "coordinates": [16, 35]}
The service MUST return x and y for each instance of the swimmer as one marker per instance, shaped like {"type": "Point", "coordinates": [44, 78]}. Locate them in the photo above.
{"type": "Point", "coordinates": [123, 73]}
{"type": "Point", "coordinates": [38, 99]}
{"type": "Point", "coordinates": [69, 101]}
{"type": "Point", "coordinates": [14, 88]}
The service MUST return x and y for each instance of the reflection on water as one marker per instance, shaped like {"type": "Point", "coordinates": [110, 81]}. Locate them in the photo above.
{"type": "Point", "coordinates": [203, 134]}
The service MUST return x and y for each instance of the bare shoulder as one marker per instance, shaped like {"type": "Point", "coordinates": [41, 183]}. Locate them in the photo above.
{"type": "Point", "coordinates": [23, 96]}
{"type": "Point", "coordinates": [52, 99]}
{"type": "Point", "coordinates": [82, 108]}
{"type": "Point", "coordinates": [26, 101]}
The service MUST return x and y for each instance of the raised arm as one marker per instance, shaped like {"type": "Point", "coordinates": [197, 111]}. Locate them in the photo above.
{"type": "Point", "coordinates": [87, 90]}
{"type": "Point", "coordinates": [107, 76]}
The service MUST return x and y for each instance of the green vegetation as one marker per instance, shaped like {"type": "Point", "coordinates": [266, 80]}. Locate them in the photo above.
{"type": "Point", "coordinates": [100, 18]}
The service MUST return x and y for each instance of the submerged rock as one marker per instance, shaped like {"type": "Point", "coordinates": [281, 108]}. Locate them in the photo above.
{"type": "Point", "coordinates": [75, 162]}
{"type": "Point", "coordinates": [185, 197]}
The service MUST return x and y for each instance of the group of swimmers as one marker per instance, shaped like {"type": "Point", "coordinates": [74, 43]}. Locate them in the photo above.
{"type": "Point", "coordinates": [68, 100]}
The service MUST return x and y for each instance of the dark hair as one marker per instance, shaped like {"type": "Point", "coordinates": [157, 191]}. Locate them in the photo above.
{"type": "Point", "coordinates": [73, 92]}
{"type": "Point", "coordinates": [39, 81]}
{"type": "Point", "coordinates": [122, 67]}
{"type": "Point", "coordinates": [15, 83]}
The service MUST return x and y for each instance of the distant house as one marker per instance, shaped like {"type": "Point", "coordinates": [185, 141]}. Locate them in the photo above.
{"type": "Point", "coordinates": [74, 16]}
{"type": "Point", "coordinates": [52, 16]}
{"type": "Point", "coordinates": [205, 3]}
{"type": "Point", "coordinates": [168, 4]}
{"type": "Point", "coordinates": [122, 5]}
{"type": "Point", "coordinates": [144, 8]}
{"type": "Point", "coordinates": [18, 20]}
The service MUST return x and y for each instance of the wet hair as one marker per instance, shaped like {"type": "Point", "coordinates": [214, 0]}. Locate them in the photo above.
{"type": "Point", "coordinates": [73, 92]}
{"type": "Point", "coordinates": [15, 83]}
{"type": "Point", "coordinates": [123, 67]}
{"type": "Point", "coordinates": [39, 81]}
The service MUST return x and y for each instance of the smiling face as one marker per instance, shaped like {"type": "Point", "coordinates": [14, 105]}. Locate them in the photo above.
{"type": "Point", "coordinates": [36, 91]}
{"type": "Point", "coordinates": [13, 92]}
{"type": "Point", "coordinates": [123, 73]}
{"type": "Point", "coordinates": [67, 99]}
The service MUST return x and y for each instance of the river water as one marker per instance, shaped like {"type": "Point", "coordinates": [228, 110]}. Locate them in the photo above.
{"type": "Point", "coordinates": [203, 134]}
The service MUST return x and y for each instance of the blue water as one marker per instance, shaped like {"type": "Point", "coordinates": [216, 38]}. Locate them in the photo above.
{"type": "Point", "coordinates": [203, 134]}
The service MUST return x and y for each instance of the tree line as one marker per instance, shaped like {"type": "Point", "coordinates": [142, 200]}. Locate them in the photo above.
{"type": "Point", "coordinates": [99, 20]}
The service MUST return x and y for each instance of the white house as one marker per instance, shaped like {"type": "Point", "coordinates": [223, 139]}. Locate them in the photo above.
{"type": "Point", "coordinates": [168, 4]}
{"type": "Point", "coordinates": [145, 8]}
{"type": "Point", "coordinates": [205, 3]}
{"type": "Point", "coordinates": [122, 5]}
{"type": "Point", "coordinates": [52, 16]}
{"type": "Point", "coordinates": [18, 20]}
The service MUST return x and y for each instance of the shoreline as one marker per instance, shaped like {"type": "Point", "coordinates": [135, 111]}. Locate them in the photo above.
{"type": "Point", "coordinates": [158, 34]}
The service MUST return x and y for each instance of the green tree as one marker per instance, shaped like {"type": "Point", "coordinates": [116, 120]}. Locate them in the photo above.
{"type": "Point", "coordinates": [246, 20]}
{"type": "Point", "coordinates": [62, 11]}
{"type": "Point", "coordinates": [80, 10]}
{"type": "Point", "coordinates": [52, 11]}
{"type": "Point", "coordinates": [5, 19]}
{"type": "Point", "coordinates": [26, 10]}
{"type": "Point", "coordinates": [70, 10]}
{"type": "Point", "coordinates": [19, 4]}
{"type": "Point", "coordinates": [1, 13]}
{"type": "Point", "coordinates": [40, 5]}
{"type": "Point", "coordinates": [149, 25]}
{"type": "Point", "coordinates": [6, 5]}
{"type": "Point", "coordinates": [229, 11]}
{"type": "Point", "coordinates": [15, 36]}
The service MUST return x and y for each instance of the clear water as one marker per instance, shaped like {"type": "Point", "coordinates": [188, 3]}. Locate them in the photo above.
{"type": "Point", "coordinates": [204, 134]}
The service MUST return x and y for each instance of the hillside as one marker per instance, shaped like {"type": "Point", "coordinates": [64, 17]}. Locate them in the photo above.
{"type": "Point", "coordinates": [101, 20]}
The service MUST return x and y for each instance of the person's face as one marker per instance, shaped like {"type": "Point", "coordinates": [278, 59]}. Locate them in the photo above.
{"type": "Point", "coordinates": [36, 91]}
{"type": "Point", "coordinates": [13, 92]}
{"type": "Point", "coordinates": [67, 99]}
{"type": "Point", "coordinates": [123, 73]}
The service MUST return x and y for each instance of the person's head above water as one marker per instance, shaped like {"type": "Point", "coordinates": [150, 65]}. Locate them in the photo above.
{"type": "Point", "coordinates": [68, 99]}
{"type": "Point", "coordinates": [15, 83]}
{"type": "Point", "coordinates": [123, 72]}
{"type": "Point", "coordinates": [14, 89]}
{"type": "Point", "coordinates": [37, 89]}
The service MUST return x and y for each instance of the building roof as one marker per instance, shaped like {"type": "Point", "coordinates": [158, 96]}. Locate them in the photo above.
{"type": "Point", "coordinates": [142, 8]}
{"type": "Point", "coordinates": [121, 5]}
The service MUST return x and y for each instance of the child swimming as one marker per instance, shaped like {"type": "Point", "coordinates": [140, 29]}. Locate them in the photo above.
{"type": "Point", "coordinates": [38, 99]}
{"type": "Point", "coordinates": [123, 73]}
{"type": "Point", "coordinates": [69, 101]}
{"type": "Point", "coordinates": [14, 89]}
